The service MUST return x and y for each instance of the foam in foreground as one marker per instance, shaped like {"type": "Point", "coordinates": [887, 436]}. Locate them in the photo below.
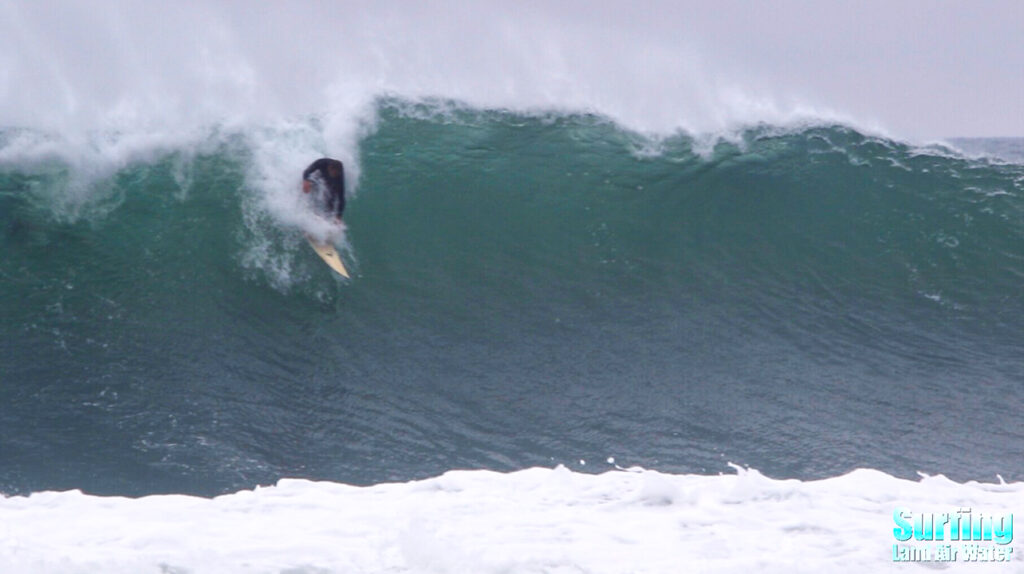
{"type": "Point", "coordinates": [536, 520]}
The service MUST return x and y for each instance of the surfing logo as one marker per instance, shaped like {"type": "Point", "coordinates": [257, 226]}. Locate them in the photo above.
{"type": "Point", "coordinates": [979, 536]}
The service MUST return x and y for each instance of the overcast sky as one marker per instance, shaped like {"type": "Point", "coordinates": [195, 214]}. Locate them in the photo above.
{"type": "Point", "coordinates": [919, 69]}
{"type": "Point", "coordinates": [924, 68]}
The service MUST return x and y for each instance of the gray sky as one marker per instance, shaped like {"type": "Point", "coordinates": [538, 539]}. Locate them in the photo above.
{"type": "Point", "coordinates": [925, 68]}
{"type": "Point", "coordinates": [918, 69]}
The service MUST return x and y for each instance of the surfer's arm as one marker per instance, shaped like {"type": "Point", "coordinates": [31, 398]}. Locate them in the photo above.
{"type": "Point", "coordinates": [319, 164]}
{"type": "Point", "coordinates": [306, 183]}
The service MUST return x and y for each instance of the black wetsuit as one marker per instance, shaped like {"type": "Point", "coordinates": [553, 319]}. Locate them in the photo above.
{"type": "Point", "coordinates": [334, 186]}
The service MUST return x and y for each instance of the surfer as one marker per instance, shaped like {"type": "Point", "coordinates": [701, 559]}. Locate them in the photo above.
{"type": "Point", "coordinates": [329, 175]}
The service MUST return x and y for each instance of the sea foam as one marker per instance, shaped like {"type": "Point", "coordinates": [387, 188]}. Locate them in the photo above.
{"type": "Point", "coordinates": [534, 520]}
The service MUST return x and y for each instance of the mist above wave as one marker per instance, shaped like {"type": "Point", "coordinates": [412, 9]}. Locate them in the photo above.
{"type": "Point", "coordinates": [126, 66]}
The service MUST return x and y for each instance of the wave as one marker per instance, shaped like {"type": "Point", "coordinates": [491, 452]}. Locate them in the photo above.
{"type": "Point", "coordinates": [921, 221]}
{"type": "Point", "coordinates": [510, 267]}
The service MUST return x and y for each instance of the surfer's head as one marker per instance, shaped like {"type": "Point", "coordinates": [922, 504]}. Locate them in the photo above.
{"type": "Point", "coordinates": [334, 169]}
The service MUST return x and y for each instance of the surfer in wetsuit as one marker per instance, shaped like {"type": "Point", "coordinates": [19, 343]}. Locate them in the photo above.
{"type": "Point", "coordinates": [329, 175]}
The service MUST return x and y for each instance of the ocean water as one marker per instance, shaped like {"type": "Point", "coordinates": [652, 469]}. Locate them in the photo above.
{"type": "Point", "coordinates": [530, 290]}
{"type": "Point", "coordinates": [603, 318]}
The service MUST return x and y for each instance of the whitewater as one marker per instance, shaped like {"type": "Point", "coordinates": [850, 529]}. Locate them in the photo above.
{"type": "Point", "coordinates": [536, 520]}
{"type": "Point", "coordinates": [618, 304]}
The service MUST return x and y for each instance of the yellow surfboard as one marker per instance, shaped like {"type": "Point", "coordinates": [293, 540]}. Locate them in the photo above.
{"type": "Point", "coordinates": [329, 254]}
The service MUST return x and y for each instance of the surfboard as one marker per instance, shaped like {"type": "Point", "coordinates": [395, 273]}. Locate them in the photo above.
{"type": "Point", "coordinates": [329, 254]}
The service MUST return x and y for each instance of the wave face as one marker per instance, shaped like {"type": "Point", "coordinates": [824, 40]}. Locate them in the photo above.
{"type": "Point", "coordinates": [529, 290]}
